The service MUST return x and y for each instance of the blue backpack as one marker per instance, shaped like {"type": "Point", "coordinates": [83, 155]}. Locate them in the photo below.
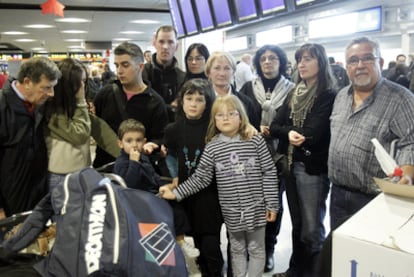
{"type": "Point", "coordinates": [104, 229]}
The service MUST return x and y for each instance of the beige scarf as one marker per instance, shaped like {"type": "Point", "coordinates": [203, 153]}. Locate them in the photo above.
{"type": "Point", "coordinates": [301, 104]}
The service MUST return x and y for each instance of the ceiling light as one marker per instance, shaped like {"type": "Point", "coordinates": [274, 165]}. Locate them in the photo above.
{"type": "Point", "coordinates": [74, 32]}
{"type": "Point", "coordinates": [121, 39]}
{"type": "Point", "coordinates": [14, 33]}
{"type": "Point", "coordinates": [75, 47]}
{"type": "Point", "coordinates": [25, 40]}
{"type": "Point", "coordinates": [39, 26]}
{"type": "Point", "coordinates": [131, 32]}
{"type": "Point", "coordinates": [72, 20]}
{"type": "Point", "coordinates": [38, 49]}
{"type": "Point", "coordinates": [74, 40]}
{"type": "Point", "coordinates": [145, 21]}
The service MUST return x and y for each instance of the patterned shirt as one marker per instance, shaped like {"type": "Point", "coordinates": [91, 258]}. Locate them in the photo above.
{"type": "Point", "coordinates": [388, 115]}
{"type": "Point", "coordinates": [246, 180]}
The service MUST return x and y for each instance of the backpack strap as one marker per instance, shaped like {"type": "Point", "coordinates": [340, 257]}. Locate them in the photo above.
{"type": "Point", "coordinates": [119, 102]}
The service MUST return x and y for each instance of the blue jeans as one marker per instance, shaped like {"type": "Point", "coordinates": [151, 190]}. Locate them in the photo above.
{"type": "Point", "coordinates": [56, 180]}
{"type": "Point", "coordinates": [344, 203]}
{"type": "Point", "coordinates": [306, 195]}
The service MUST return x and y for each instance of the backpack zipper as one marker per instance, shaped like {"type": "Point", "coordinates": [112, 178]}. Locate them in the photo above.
{"type": "Point", "coordinates": [116, 219]}
{"type": "Point", "coordinates": [66, 190]}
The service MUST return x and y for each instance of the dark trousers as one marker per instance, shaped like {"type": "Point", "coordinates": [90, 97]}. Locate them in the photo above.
{"type": "Point", "coordinates": [273, 228]}
{"type": "Point", "coordinates": [210, 260]}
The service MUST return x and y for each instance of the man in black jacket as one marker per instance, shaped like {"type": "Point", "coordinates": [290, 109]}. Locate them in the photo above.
{"type": "Point", "coordinates": [130, 97]}
{"type": "Point", "coordinates": [163, 72]}
{"type": "Point", "coordinates": [23, 154]}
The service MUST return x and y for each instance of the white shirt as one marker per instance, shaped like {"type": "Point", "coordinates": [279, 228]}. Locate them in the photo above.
{"type": "Point", "coordinates": [243, 74]}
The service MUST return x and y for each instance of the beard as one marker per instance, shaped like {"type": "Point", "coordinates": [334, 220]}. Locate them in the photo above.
{"type": "Point", "coordinates": [363, 82]}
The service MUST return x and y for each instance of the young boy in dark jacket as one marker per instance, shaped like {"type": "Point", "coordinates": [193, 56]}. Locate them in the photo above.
{"type": "Point", "coordinates": [133, 165]}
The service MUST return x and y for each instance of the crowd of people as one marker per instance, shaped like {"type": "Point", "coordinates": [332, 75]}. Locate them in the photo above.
{"type": "Point", "coordinates": [231, 142]}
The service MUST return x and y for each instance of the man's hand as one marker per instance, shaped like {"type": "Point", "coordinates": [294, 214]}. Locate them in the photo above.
{"type": "Point", "coordinates": [408, 175]}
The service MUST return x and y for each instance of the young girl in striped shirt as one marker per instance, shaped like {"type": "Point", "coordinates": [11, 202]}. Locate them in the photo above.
{"type": "Point", "coordinates": [245, 175]}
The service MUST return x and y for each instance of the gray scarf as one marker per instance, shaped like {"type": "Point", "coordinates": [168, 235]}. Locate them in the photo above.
{"type": "Point", "coordinates": [279, 93]}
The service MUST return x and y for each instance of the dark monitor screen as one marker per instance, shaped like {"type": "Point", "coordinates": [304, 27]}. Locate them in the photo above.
{"type": "Point", "coordinates": [222, 12]}
{"type": "Point", "coordinates": [188, 17]}
{"type": "Point", "coordinates": [204, 15]}
{"type": "Point", "coordinates": [176, 18]}
{"type": "Point", "coordinates": [246, 9]}
{"type": "Point", "coordinates": [270, 6]}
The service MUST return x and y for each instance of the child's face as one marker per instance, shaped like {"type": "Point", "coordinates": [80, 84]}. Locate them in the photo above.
{"type": "Point", "coordinates": [132, 140]}
{"type": "Point", "coordinates": [228, 121]}
{"type": "Point", "coordinates": [194, 105]}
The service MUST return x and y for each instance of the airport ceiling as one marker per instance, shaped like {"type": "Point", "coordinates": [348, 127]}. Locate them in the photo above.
{"type": "Point", "coordinates": [106, 21]}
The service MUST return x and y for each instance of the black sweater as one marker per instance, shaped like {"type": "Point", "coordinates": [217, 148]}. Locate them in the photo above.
{"type": "Point", "coordinates": [316, 128]}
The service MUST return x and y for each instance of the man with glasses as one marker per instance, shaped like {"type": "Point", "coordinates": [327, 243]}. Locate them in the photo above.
{"type": "Point", "coordinates": [163, 72]}
{"type": "Point", "coordinates": [371, 107]}
{"type": "Point", "coordinates": [23, 154]}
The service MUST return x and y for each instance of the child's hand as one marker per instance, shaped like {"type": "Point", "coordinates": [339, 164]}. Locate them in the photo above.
{"type": "Point", "coordinates": [134, 154]}
{"type": "Point", "coordinates": [150, 147]}
{"type": "Point", "coordinates": [166, 192]}
{"type": "Point", "coordinates": [270, 216]}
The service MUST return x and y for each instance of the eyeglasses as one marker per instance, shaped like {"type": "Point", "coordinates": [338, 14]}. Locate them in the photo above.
{"type": "Point", "coordinates": [196, 59]}
{"type": "Point", "coordinates": [270, 59]}
{"type": "Point", "coordinates": [367, 59]}
{"type": "Point", "coordinates": [229, 115]}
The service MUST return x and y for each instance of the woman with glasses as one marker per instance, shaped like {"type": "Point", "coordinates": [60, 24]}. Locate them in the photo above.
{"type": "Point", "coordinates": [195, 61]}
{"type": "Point", "coordinates": [302, 127]}
{"type": "Point", "coordinates": [220, 69]}
{"type": "Point", "coordinates": [268, 91]}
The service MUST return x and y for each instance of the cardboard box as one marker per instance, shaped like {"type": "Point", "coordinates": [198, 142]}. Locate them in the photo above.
{"type": "Point", "coordinates": [378, 241]}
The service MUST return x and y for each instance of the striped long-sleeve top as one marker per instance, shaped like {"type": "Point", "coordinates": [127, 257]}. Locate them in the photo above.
{"type": "Point", "coordinates": [246, 180]}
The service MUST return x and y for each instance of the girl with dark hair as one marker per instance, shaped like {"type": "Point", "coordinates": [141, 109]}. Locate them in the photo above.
{"type": "Point", "coordinates": [70, 125]}
{"type": "Point", "coordinates": [195, 60]}
{"type": "Point", "coordinates": [268, 91]}
{"type": "Point", "coordinates": [302, 127]}
{"type": "Point", "coordinates": [185, 140]}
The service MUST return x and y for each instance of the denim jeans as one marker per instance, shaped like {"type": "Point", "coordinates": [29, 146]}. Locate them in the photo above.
{"type": "Point", "coordinates": [306, 195]}
{"type": "Point", "coordinates": [344, 203]}
{"type": "Point", "coordinates": [56, 180]}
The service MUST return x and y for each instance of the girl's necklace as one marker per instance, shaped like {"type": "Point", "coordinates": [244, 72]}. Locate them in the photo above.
{"type": "Point", "coordinates": [190, 165]}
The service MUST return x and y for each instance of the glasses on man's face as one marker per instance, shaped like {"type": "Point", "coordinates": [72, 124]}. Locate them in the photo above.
{"type": "Point", "coordinates": [271, 59]}
{"type": "Point", "coordinates": [195, 59]}
{"type": "Point", "coordinates": [229, 115]}
{"type": "Point", "coordinates": [367, 59]}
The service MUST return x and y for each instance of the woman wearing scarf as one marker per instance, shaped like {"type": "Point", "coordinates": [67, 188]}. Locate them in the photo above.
{"type": "Point", "coordinates": [302, 127]}
{"type": "Point", "coordinates": [268, 91]}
